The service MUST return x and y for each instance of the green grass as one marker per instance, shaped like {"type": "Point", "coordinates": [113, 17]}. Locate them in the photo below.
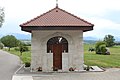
{"type": "Point", "coordinates": [112, 60]}
{"type": "Point", "coordinates": [90, 58]}
{"type": "Point", "coordinates": [26, 56]}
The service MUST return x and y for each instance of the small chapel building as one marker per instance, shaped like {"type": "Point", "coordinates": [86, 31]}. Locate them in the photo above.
{"type": "Point", "coordinates": [57, 40]}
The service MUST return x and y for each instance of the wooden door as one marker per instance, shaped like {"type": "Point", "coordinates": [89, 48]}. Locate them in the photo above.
{"type": "Point", "coordinates": [57, 56]}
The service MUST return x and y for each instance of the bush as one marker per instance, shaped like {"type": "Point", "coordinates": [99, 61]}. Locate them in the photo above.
{"type": "Point", "coordinates": [117, 43]}
{"type": "Point", "coordinates": [100, 47]}
{"type": "Point", "coordinates": [27, 64]}
{"type": "Point", "coordinates": [23, 49]}
{"type": "Point", "coordinates": [1, 45]}
{"type": "Point", "coordinates": [16, 49]}
{"type": "Point", "coordinates": [103, 49]}
{"type": "Point", "coordinates": [91, 49]}
{"type": "Point", "coordinates": [27, 44]}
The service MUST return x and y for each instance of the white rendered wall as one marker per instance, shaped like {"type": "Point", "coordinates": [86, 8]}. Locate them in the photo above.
{"type": "Point", "coordinates": [40, 57]}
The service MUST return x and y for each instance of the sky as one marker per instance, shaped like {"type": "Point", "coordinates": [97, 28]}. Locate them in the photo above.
{"type": "Point", "coordinates": [104, 14]}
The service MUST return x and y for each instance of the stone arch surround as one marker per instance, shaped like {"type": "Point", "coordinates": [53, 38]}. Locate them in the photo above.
{"type": "Point", "coordinates": [66, 36]}
{"type": "Point", "coordinates": [66, 60]}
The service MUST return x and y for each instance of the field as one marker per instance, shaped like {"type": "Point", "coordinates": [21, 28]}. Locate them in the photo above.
{"type": "Point", "coordinates": [112, 60]}
{"type": "Point", "coordinates": [90, 58]}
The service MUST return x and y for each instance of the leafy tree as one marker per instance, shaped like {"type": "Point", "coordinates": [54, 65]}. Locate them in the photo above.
{"type": "Point", "coordinates": [1, 16]}
{"type": "Point", "coordinates": [9, 41]}
{"type": "Point", "coordinates": [109, 39]}
{"type": "Point", "coordinates": [100, 47]}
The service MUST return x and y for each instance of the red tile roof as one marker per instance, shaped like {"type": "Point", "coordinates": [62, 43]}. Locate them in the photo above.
{"type": "Point", "coordinates": [57, 17]}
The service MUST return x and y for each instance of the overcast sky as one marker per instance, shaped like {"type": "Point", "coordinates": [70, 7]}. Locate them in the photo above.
{"type": "Point", "coordinates": [104, 14]}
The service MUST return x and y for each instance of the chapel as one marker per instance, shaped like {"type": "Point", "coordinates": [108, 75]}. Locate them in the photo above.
{"type": "Point", "coordinates": [57, 40]}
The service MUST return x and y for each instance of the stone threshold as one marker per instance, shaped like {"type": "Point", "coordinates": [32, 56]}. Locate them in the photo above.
{"type": "Point", "coordinates": [23, 70]}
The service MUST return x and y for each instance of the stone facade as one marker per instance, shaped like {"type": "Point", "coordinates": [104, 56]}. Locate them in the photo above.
{"type": "Point", "coordinates": [40, 57]}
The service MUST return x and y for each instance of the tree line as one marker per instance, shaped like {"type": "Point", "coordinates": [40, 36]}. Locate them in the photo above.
{"type": "Point", "coordinates": [10, 41]}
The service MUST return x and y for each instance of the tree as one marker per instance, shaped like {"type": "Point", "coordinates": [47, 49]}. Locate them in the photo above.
{"type": "Point", "coordinates": [109, 40]}
{"type": "Point", "coordinates": [1, 16]}
{"type": "Point", "coordinates": [9, 41]}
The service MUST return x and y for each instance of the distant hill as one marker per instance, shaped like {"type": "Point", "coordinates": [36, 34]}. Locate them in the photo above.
{"type": "Point", "coordinates": [88, 39]}
{"type": "Point", "coordinates": [22, 36]}
{"type": "Point", "coordinates": [117, 39]}
{"type": "Point", "coordinates": [19, 36]}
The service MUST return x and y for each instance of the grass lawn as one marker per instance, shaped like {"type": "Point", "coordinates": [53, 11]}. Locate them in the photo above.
{"type": "Point", "coordinates": [26, 56]}
{"type": "Point", "coordinates": [90, 58]}
{"type": "Point", "coordinates": [112, 60]}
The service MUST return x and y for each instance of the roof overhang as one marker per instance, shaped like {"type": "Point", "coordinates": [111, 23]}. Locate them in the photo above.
{"type": "Point", "coordinates": [31, 28]}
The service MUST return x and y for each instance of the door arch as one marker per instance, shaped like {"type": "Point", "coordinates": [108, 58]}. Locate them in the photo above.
{"type": "Point", "coordinates": [57, 45]}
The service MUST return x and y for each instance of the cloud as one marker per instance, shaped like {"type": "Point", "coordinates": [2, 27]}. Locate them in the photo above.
{"type": "Point", "coordinates": [103, 27]}
{"type": "Point", "coordinates": [36, 7]}
{"type": "Point", "coordinates": [92, 7]}
{"type": "Point", "coordinates": [1, 3]}
{"type": "Point", "coordinates": [94, 11]}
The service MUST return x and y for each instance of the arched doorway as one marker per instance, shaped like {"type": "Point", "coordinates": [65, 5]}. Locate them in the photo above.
{"type": "Point", "coordinates": [57, 46]}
